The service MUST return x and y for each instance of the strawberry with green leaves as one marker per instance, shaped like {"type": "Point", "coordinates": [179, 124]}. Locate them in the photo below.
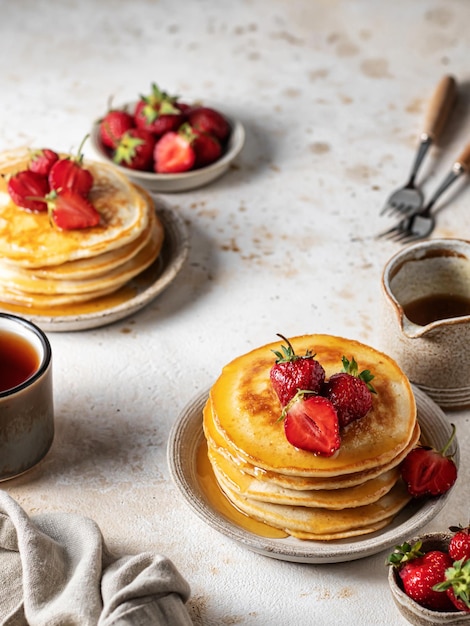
{"type": "Point", "coordinates": [420, 572]}
{"type": "Point", "coordinates": [69, 210]}
{"type": "Point", "coordinates": [350, 392]}
{"type": "Point", "coordinates": [292, 372]}
{"type": "Point", "coordinates": [311, 424]}
{"type": "Point", "coordinates": [27, 190]}
{"type": "Point", "coordinates": [429, 472]}
{"type": "Point", "coordinates": [159, 112]}
{"type": "Point", "coordinates": [113, 126]}
{"type": "Point", "coordinates": [456, 584]}
{"type": "Point", "coordinates": [135, 149]}
{"type": "Point", "coordinates": [70, 173]}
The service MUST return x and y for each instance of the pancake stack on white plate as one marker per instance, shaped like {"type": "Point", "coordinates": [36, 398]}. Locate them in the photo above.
{"type": "Point", "coordinates": [42, 266]}
{"type": "Point", "coordinates": [354, 492]}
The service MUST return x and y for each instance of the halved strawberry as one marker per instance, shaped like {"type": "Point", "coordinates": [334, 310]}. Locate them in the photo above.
{"type": "Point", "coordinates": [427, 472]}
{"type": "Point", "coordinates": [69, 173]}
{"type": "Point", "coordinates": [27, 188]}
{"type": "Point", "coordinates": [42, 160]}
{"type": "Point", "coordinates": [135, 149]}
{"type": "Point", "coordinates": [311, 423]}
{"type": "Point", "coordinates": [69, 210]}
{"type": "Point", "coordinates": [208, 120]}
{"type": "Point", "coordinates": [174, 152]}
{"type": "Point", "coordinates": [113, 126]}
{"type": "Point", "coordinates": [158, 112]}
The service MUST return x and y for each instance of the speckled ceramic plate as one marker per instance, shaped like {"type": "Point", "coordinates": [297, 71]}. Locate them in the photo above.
{"type": "Point", "coordinates": [136, 294]}
{"type": "Point", "coordinates": [186, 438]}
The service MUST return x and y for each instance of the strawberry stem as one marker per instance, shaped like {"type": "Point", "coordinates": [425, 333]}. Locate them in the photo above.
{"type": "Point", "coordinates": [451, 439]}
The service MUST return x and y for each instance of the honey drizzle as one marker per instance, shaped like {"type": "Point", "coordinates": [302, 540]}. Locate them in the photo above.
{"type": "Point", "coordinates": [222, 504]}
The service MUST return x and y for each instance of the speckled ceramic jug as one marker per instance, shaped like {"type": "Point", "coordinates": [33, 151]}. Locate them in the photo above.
{"type": "Point", "coordinates": [435, 355]}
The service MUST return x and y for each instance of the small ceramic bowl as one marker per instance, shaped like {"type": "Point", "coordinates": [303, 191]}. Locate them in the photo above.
{"type": "Point", "coordinates": [184, 181]}
{"type": "Point", "coordinates": [411, 610]}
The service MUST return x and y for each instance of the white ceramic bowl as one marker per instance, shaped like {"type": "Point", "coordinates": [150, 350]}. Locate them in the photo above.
{"type": "Point", "coordinates": [173, 183]}
{"type": "Point", "coordinates": [413, 612]}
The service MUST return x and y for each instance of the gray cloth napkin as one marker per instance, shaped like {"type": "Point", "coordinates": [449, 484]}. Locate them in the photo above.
{"type": "Point", "coordinates": [55, 570]}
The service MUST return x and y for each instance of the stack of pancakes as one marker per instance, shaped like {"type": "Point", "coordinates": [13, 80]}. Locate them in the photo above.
{"type": "Point", "coordinates": [356, 491]}
{"type": "Point", "coordinates": [42, 266]}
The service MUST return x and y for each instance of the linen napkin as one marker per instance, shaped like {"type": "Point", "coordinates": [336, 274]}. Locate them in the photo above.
{"type": "Point", "coordinates": [55, 570]}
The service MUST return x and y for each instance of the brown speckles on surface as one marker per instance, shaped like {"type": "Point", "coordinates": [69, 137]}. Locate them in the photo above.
{"type": "Point", "coordinates": [375, 68]}
{"type": "Point", "coordinates": [415, 106]}
{"type": "Point", "coordinates": [319, 147]}
{"type": "Point", "coordinates": [314, 75]}
{"type": "Point", "coordinates": [440, 16]}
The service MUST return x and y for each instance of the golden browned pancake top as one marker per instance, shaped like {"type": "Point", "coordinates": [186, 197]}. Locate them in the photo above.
{"type": "Point", "coordinates": [27, 239]}
{"type": "Point", "coordinates": [246, 410]}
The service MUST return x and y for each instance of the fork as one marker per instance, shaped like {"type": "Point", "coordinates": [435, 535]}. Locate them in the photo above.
{"type": "Point", "coordinates": [421, 224]}
{"type": "Point", "coordinates": [409, 199]}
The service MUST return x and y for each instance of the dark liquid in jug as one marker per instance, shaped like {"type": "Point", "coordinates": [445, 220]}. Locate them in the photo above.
{"type": "Point", "coordinates": [436, 307]}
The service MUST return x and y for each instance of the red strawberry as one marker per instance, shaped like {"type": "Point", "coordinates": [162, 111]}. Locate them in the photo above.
{"type": "Point", "coordinates": [207, 149]}
{"type": "Point", "coordinates": [291, 373]}
{"type": "Point", "coordinates": [113, 126]}
{"type": "Point", "coordinates": [42, 161]}
{"type": "Point", "coordinates": [420, 572]}
{"type": "Point", "coordinates": [71, 211]}
{"type": "Point", "coordinates": [26, 189]}
{"type": "Point", "coordinates": [135, 149]}
{"type": "Point", "coordinates": [457, 585]}
{"type": "Point", "coordinates": [69, 173]}
{"type": "Point", "coordinates": [350, 392]}
{"type": "Point", "coordinates": [459, 544]}
{"type": "Point", "coordinates": [429, 472]}
{"type": "Point", "coordinates": [174, 152]}
{"type": "Point", "coordinates": [207, 120]}
{"type": "Point", "coordinates": [158, 112]}
{"type": "Point", "coordinates": [311, 423]}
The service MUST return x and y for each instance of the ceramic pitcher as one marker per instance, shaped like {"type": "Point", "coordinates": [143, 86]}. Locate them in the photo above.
{"type": "Point", "coordinates": [423, 281]}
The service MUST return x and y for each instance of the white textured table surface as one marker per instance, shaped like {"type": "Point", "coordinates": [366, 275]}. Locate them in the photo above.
{"type": "Point", "coordinates": [332, 95]}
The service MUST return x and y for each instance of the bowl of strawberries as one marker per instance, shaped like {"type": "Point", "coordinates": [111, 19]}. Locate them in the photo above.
{"type": "Point", "coordinates": [167, 145]}
{"type": "Point", "coordinates": [429, 578]}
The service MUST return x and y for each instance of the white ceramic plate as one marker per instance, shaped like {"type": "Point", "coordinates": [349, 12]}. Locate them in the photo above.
{"type": "Point", "coordinates": [137, 293]}
{"type": "Point", "coordinates": [172, 183]}
{"type": "Point", "coordinates": [186, 437]}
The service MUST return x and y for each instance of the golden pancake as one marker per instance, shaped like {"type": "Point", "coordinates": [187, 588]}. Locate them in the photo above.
{"type": "Point", "coordinates": [216, 442]}
{"type": "Point", "coordinates": [245, 409]}
{"type": "Point", "coordinates": [349, 497]}
{"type": "Point", "coordinates": [28, 240]}
{"type": "Point", "coordinates": [321, 523]}
{"type": "Point", "coordinates": [91, 266]}
{"type": "Point", "coordinates": [31, 285]}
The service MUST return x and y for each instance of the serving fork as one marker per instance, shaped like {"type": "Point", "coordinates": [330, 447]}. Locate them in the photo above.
{"type": "Point", "coordinates": [421, 223]}
{"type": "Point", "coordinates": [409, 198]}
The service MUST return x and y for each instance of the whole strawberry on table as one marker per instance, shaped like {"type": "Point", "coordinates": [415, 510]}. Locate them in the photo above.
{"type": "Point", "coordinates": [164, 135]}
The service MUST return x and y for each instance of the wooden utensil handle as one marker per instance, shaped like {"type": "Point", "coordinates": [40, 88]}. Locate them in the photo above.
{"type": "Point", "coordinates": [464, 158]}
{"type": "Point", "coordinates": [440, 106]}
